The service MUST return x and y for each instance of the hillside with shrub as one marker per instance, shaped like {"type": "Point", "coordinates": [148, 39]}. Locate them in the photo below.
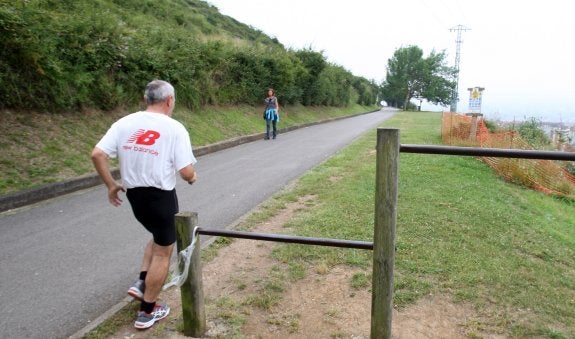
{"type": "Point", "coordinates": [68, 69]}
{"type": "Point", "coordinates": [61, 56]}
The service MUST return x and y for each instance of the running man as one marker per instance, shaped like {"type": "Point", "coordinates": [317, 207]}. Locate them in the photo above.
{"type": "Point", "coordinates": [152, 147]}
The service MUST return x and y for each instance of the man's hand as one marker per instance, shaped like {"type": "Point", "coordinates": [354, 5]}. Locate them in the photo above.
{"type": "Point", "coordinates": [188, 173]}
{"type": "Point", "coordinates": [100, 160]}
{"type": "Point", "coordinates": [113, 194]}
{"type": "Point", "coordinates": [194, 178]}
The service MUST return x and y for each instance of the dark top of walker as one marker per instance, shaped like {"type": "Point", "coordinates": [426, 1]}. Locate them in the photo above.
{"type": "Point", "coordinates": [271, 102]}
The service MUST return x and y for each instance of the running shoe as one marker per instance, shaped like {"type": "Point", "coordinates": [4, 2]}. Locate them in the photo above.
{"type": "Point", "coordinates": [146, 320]}
{"type": "Point", "coordinates": [137, 290]}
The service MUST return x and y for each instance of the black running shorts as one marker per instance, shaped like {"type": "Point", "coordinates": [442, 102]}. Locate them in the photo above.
{"type": "Point", "coordinates": [155, 209]}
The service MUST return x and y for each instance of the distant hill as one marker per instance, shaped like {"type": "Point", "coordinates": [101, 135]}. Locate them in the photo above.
{"type": "Point", "coordinates": [198, 18]}
{"type": "Point", "coordinates": [61, 55]}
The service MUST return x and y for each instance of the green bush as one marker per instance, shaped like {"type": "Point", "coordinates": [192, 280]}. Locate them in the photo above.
{"type": "Point", "coordinates": [532, 132]}
{"type": "Point", "coordinates": [58, 55]}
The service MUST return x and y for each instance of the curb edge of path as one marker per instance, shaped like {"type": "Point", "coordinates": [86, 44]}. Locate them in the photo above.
{"type": "Point", "coordinates": [31, 196]}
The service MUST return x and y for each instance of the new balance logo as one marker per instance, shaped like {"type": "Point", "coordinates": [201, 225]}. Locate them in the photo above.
{"type": "Point", "coordinates": [143, 137]}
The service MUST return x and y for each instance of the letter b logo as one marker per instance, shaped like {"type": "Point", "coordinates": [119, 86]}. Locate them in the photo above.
{"type": "Point", "coordinates": [148, 138]}
{"type": "Point", "coordinates": [143, 137]}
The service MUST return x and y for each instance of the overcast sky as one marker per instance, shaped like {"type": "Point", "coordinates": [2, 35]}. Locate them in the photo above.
{"type": "Point", "coordinates": [521, 52]}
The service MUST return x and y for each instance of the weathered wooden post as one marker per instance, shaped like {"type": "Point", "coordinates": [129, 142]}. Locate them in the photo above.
{"type": "Point", "coordinates": [384, 232]}
{"type": "Point", "coordinates": [192, 292]}
{"type": "Point", "coordinates": [474, 123]}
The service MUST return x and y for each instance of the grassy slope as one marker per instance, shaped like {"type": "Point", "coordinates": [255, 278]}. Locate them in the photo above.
{"type": "Point", "coordinates": [461, 231]}
{"type": "Point", "coordinates": [42, 148]}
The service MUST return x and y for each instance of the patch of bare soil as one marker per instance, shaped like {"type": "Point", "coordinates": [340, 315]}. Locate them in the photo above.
{"type": "Point", "coordinates": [321, 305]}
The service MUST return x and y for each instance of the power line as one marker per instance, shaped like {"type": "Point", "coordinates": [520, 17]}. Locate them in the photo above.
{"type": "Point", "coordinates": [447, 9]}
{"type": "Point", "coordinates": [461, 11]}
{"type": "Point", "coordinates": [433, 13]}
{"type": "Point", "coordinates": [454, 97]}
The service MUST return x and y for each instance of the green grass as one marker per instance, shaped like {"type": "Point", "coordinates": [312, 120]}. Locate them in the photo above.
{"type": "Point", "coordinates": [109, 328]}
{"type": "Point", "coordinates": [461, 230]}
{"type": "Point", "coordinates": [39, 149]}
{"type": "Point", "coordinates": [360, 280]}
{"type": "Point", "coordinates": [229, 310]}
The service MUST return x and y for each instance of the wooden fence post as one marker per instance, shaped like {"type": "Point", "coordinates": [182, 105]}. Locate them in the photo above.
{"type": "Point", "coordinates": [384, 232]}
{"type": "Point", "coordinates": [192, 293]}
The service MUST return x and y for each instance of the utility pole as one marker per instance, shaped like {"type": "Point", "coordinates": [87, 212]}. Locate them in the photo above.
{"type": "Point", "coordinates": [458, 41]}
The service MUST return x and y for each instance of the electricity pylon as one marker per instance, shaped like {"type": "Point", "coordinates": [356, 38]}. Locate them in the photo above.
{"type": "Point", "coordinates": [454, 95]}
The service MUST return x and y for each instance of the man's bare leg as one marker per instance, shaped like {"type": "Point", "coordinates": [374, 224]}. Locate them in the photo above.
{"type": "Point", "coordinates": [157, 271]}
{"type": "Point", "coordinates": [147, 256]}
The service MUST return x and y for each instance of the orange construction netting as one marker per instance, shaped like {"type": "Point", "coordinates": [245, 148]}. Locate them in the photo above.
{"type": "Point", "coordinates": [543, 175]}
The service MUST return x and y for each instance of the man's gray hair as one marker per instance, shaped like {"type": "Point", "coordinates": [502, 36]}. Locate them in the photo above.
{"type": "Point", "coordinates": [158, 91]}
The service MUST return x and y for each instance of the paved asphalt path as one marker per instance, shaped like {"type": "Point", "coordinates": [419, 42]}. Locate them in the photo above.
{"type": "Point", "coordinates": [66, 261]}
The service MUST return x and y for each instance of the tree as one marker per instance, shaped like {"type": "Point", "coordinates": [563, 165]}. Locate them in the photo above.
{"type": "Point", "coordinates": [404, 70]}
{"type": "Point", "coordinates": [409, 75]}
{"type": "Point", "coordinates": [439, 79]}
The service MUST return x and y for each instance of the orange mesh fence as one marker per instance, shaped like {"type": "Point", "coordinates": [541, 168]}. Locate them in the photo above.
{"type": "Point", "coordinates": [543, 175]}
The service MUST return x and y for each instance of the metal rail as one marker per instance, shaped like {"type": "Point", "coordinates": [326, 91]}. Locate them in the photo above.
{"type": "Point", "coordinates": [404, 148]}
{"type": "Point", "coordinates": [383, 246]}
{"type": "Point", "coordinates": [487, 152]}
{"type": "Point", "coordinates": [362, 245]}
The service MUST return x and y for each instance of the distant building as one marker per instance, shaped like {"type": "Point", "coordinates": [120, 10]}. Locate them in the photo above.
{"type": "Point", "coordinates": [558, 133]}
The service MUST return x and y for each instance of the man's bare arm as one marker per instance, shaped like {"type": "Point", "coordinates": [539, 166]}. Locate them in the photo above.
{"type": "Point", "coordinates": [100, 160]}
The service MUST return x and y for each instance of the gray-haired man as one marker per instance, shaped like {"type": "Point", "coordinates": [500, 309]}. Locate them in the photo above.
{"type": "Point", "coordinates": [152, 148]}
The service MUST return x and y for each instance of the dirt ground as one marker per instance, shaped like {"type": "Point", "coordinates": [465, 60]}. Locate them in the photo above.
{"type": "Point", "coordinates": [321, 305]}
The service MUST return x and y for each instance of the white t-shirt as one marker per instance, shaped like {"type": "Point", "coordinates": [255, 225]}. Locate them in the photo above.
{"type": "Point", "coordinates": [151, 147]}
